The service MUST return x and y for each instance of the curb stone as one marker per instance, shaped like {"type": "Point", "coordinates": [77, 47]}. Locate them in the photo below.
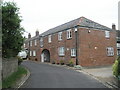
{"type": "Point", "coordinates": [22, 80]}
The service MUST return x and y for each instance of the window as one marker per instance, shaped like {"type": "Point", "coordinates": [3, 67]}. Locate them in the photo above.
{"type": "Point", "coordinates": [118, 45]}
{"type": "Point", "coordinates": [30, 53]}
{"type": "Point", "coordinates": [110, 51]}
{"type": "Point", "coordinates": [61, 51]}
{"type": "Point", "coordinates": [107, 34]}
{"type": "Point", "coordinates": [30, 43]}
{"type": "Point", "coordinates": [41, 42]}
{"type": "Point", "coordinates": [35, 42]}
{"type": "Point", "coordinates": [73, 52]}
{"type": "Point", "coordinates": [118, 52]}
{"type": "Point", "coordinates": [69, 34]}
{"type": "Point", "coordinates": [49, 38]}
{"type": "Point", "coordinates": [34, 53]}
{"type": "Point", "coordinates": [60, 36]}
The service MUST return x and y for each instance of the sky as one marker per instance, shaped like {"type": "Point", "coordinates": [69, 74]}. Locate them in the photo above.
{"type": "Point", "coordinates": [43, 15]}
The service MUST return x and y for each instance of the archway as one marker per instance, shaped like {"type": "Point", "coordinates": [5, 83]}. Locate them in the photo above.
{"type": "Point", "coordinates": [45, 56]}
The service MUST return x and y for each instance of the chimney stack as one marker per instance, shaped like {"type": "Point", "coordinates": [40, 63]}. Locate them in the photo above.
{"type": "Point", "coordinates": [113, 26]}
{"type": "Point", "coordinates": [37, 33]}
{"type": "Point", "coordinates": [29, 35]}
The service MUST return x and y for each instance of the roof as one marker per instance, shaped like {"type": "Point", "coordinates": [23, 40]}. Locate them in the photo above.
{"type": "Point", "coordinates": [82, 22]}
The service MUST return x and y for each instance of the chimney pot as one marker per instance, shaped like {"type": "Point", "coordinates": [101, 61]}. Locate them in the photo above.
{"type": "Point", "coordinates": [29, 35]}
{"type": "Point", "coordinates": [37, 33]}
{"type": "Point", "coordinates": [113, 26]}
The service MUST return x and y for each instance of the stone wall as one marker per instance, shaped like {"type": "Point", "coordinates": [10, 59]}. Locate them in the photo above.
{"type": "Point", "coordinates": [9, 66]}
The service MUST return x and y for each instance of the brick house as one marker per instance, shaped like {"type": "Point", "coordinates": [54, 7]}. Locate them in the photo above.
{"type": "Point", "coordinates": [83, 41]}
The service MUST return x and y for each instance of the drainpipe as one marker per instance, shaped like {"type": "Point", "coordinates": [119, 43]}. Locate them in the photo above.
{"type": "Point", "coordinates": [76, 37]}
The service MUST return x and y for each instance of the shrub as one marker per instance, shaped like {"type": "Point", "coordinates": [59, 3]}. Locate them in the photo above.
{"type": "Point", "coordinates": [20, 60]}
{"type": "Point", "coordinates": [61, 62]}
{"type": "Point", "coordinates": [115, 68]}
{"type": "Point", "coordinates": [71, 63]}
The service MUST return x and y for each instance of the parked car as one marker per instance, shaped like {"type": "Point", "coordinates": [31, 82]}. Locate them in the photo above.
{"type": "Point", "coordinates": [23, 54]}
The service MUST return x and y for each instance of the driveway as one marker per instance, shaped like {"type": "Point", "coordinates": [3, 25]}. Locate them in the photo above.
{"type": "Point", "coordinates": [49, 76]}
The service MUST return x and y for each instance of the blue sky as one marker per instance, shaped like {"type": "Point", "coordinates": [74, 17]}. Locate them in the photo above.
{"type": "Point", "coordinates": [45, 14]}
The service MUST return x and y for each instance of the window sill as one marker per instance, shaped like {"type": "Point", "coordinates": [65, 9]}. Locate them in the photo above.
{"type": "Point", "coordinates": [61, 55]}
{"type": "Point", "coordinates": [69, 38]}
{"type": "Point", "coordinates": [73, 56]}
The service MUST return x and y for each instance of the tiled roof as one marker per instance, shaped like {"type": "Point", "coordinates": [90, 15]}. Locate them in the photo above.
{"type": "Point", "coordinates": [82, 21]}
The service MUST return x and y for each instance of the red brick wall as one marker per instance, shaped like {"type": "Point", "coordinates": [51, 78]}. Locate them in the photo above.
{"type": "Point", "coordinates": [88, 55]}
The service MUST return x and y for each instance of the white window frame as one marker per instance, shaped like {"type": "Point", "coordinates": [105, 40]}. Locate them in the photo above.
{"type": "Point", "coordinates": [35, 42]}
{"type": "Point", "coordinates": [41, 42]}
{"type": "Point", "coordinates": [73, 52]}
{"type": "Point", "coordinates": [118, 45]}
{"type": "Point", "coordinates": [107, 34]}
{"type": "Point", "coordinates": [61, 51]}
{"type": "Point", "coordinates": [30, 43]}
{"type": "Point", "coordinates": [34, 53]}
{"type": "Point", "coordinates": [110, 51]}
{"type": "Point", "coordinates": [69, 34]}
{"type": "Point", "coordinates": [49, 39]}
{"type": "Point", "coordinates": [30, 53]}
{"type": "Point", "coordinates": [60, 36]}
{"type": "Point", "coordinates": [118, 52]}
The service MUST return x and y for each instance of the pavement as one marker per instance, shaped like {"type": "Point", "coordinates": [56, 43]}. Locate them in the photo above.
{"type": "Point", "coordinates": [101, 74]}
{"type": "Point", "coordinates": [104, 75]}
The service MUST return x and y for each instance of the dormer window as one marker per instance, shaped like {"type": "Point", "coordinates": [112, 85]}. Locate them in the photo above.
{"type": "Point", "coordinates": [69, 34]}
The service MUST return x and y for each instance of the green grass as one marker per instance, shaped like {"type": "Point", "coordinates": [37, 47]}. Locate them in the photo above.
{"type": "Point", "coordinates": [11, 80]}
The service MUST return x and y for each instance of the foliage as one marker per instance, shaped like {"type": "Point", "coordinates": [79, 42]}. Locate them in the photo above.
{"type": "Point", "coordinates": [61, 62]}
{"type": "Point", "coordinates": [11, 80]}
{"type": "Point", "coordinates": [12, 38]}
{"type": "Point", "coordinates": [116, 67]}
{"type": "Point", "coordinates": [20, 60]}
{"type": "Point", "coordinates": [71, 63]}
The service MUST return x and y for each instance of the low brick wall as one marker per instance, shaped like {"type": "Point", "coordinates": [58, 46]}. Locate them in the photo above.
{"type": "Point", "coordinates": [9, 66]}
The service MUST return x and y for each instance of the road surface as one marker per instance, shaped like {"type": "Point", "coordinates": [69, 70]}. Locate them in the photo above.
{"type": "Point", "coordinates": [49, 76]}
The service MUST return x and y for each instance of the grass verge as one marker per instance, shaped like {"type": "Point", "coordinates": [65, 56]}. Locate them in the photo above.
{"type": "Point", "coordinates": [11, 80]}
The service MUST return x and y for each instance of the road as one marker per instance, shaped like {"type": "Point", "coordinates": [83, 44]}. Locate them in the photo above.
{"type": "Point", "coordinates": [49, 76]}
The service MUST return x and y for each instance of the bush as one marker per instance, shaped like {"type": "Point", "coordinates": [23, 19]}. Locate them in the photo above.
{"type": "Point", "coordinates": [71, 64]}
{"type": "Point", "coordinates": [115, 68]}
{"type": "Point", "coordinates": [20, 60]}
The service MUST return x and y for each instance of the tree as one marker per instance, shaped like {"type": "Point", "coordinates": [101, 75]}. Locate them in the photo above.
{"type": "Point", "coordinates": [12, 38]}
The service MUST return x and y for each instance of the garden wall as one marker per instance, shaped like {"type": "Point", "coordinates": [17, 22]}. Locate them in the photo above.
{"type": "Point", "coordinates": [9, 66]}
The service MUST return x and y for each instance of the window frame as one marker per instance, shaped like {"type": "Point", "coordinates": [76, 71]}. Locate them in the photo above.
{"type": "Point", "coordinates": [30, 53]}
{"type": "Point", "coordinates": [41, 42]}
{"type": "Point", "coordinates": [61, 51]}
{"type": "Point", "coordinates": [73, 52]}
{"type": "Point", "coordinates": [110, 51]}
{"type": "Point", "coordinates": [35, 42]}
{"type": "Point", "coordinates": [34, 53]}
{"type": "Point", "coordinates": [107, 34]}
{"type": "Point", "coordinates": [59, 36]}
{"type": "Point", "coordinates": [69, 34]}
{"type": "Point", "coordinates": [49, 38]}
{"type": "Point", "coordinates": [30, 43]}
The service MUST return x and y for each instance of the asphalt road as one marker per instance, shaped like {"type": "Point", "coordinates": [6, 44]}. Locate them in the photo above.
{"type": "Point", "coordinates": [49, 76]}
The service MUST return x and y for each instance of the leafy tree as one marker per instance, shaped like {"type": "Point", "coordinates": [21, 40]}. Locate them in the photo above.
{"type": "Point", "coordinates": [12, 38]}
